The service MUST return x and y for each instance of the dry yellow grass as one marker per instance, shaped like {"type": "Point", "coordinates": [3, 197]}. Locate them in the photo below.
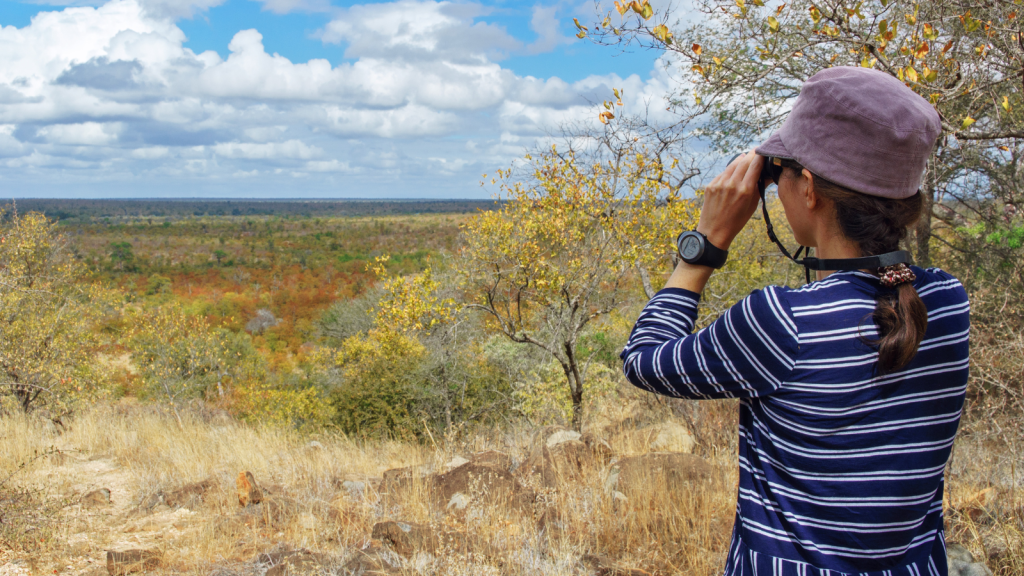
{"type": "Point", "coordinates": [137, 452]}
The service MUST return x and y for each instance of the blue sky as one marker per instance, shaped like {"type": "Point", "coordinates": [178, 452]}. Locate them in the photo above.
{"type": "Point", "coordinates": [292, 98]}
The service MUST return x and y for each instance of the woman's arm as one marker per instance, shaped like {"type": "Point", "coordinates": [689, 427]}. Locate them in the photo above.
{"type": "Point", "coordinates": [748, 351]}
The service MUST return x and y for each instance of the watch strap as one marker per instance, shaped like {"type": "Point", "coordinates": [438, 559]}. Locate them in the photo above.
{"type": "Point", "coordinates": [712, 256]}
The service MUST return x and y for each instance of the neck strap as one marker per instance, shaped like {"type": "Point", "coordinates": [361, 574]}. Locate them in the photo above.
{"type": "Point", "coordinates": [810, 263]}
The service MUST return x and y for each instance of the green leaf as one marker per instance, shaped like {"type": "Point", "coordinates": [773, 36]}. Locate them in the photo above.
{"type": "Point", "coordinates": [773, 24]}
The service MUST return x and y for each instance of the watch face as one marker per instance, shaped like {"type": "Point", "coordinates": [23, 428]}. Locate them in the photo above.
{"type": "Point", "coordinates": [690, 248]}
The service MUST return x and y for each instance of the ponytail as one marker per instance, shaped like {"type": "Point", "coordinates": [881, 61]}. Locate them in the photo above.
{"type": "Point", "coordinates": [878, 225]}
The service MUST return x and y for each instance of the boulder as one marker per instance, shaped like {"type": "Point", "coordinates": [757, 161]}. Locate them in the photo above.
{"type": "Point", "coordinates": [556, 454]}
{"type": "Point", "coordinates": [666, 470]}
{"type": "Point", "coordinates": [600, 450]}
{"type": "Point", "coordinates": [455, 462]}
{"type": "Point", "coordinates": [189, 496]}
{"type": "Point", "coordinates": [962, 563]}
{"type": "Point", "coordinates": [479, 482]}
{"type": "Point", "coordinates": [96, 498]}
{"type": "Point", "coordinates": [493, 458]}
{"type": "Point", "coordinates": [372, 561]}
{"type": "Point", "coordinates": [670, 437]}
{"type": "Point", "coordinates": [131, 561]}
{"type": "Point", "coordinates": [406, 538]}
{"type": "Point", "coordinates": [293, 563]}
{"type": "Point", "coordinates": [248, 491]}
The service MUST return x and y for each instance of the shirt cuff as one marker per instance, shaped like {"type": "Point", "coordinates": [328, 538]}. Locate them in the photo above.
{"type": "Point", "coordinates": [679, 292]}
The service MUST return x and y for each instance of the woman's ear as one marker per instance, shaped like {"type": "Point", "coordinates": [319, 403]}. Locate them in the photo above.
{"type": "Point", "coordinates": [806, 186]}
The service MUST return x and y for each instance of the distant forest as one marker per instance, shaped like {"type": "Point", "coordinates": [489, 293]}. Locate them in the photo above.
{"type": "Point", "coordinates": [68, 209]}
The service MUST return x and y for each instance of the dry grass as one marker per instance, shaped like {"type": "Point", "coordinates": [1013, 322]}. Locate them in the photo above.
{"type": "Point", "coordinates": [137, 452]}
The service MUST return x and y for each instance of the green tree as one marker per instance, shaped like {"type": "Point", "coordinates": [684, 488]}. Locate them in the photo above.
{"type": "Point", "coordinates": [48, 341]}
{"type": "Point", "coordinates": [121, 256]}
{"type": "Point", "coordinates": [564, 248]}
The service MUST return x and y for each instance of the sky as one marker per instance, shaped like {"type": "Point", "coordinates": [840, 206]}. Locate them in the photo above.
{"type": "Point", "coordinates": [294, 98]}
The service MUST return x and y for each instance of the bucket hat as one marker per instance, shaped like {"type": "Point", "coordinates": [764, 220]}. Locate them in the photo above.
{"type": "Point", "coordinates": [859, 128]}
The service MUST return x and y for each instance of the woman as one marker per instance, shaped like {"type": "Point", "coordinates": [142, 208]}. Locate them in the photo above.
{"type": "Point", "coordinates": [851, 387]}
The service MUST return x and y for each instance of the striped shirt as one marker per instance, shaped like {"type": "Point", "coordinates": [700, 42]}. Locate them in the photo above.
{"type": "Point", "coordinates": [840, 468]}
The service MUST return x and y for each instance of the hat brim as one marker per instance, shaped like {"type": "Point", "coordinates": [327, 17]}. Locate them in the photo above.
{"type": "Point", "coordinates": [773, 147]}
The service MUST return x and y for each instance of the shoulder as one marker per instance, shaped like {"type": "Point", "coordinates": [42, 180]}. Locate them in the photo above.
{"type": "Point", "coordinates": [938, 283]}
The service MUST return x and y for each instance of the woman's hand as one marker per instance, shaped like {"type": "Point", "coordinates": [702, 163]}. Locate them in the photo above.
{"type": "Point", "coordinates": [730, 200]}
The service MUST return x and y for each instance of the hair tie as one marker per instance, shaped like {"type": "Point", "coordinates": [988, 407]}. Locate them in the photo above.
{"type": "Point", "coordinates": [893, 276]}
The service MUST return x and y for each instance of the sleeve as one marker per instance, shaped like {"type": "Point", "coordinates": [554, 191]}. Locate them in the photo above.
{"type": "Point", "coordinates": [748, 351]}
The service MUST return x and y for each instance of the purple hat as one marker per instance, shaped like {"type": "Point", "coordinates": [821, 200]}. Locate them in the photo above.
{"type": "Point", "coordinates": [861, 129]}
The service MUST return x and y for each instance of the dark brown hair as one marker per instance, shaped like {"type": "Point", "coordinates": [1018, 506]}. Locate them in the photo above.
{"type": "Point", "coordinates": [878, 225]}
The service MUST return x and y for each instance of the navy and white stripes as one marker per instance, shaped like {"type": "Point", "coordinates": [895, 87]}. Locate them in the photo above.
{"type": "Point", "coordinates": [840, 467]}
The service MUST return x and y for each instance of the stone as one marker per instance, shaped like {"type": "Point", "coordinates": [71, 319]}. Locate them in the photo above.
{"type": "Point", "coordinates": [962, 563]}
{"type": "Point", "coordinates": [553, 462]}
{"type": "Point", "coordinates": [96, 498]}
{"type": "Point", "coordinates": [130, 561]}
{"type": "Point", "coordinates": [560, 436]}
{"type": "Point", "coordinates": [455, 462]}
{"type": "Point", "coordinates": [666, 470]}
{"type": "Point", "coordinates": [671, 437]}
{"type": "Point", "coordinates": [602, 566]}
{"type": "Point", "coordinates": [599, 448]}
{"type": "Point", "coordinates": [494, 459]}
{"type": "Point", "coordinates": [356, 489]}
{"type": "Point", "coordinates": [188, 496]}
{"type": "Point", "coordinates": [406, 538]}
{"type": "Point", "coordinates": [459, 501]}
{"type": "Point", "coordinates": [372, 561]}
{"type": "Point", "coordinates": [293, 563]}
{"type": "Point", "coordinates": [248, 491]}
{"type": "Point", "coordinates": [485, 483]}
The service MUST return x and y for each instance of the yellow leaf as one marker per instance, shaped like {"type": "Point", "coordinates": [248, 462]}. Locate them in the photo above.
{"type": "Point", "coordinates": [696, 49]}
{"type": "Point", "coordinates": [581, 34]}
{"type": "Point", "coordinates": [968, 121]}
{"type": "Point", "coordinates": [621, 7]}
{"type": "Point", "coordinates": [773, 24]}
{"type": "Point", "coordinates": [646, 11]}
{"type": "Point", "coordinates": [815, 14]}
{"type": "Point", "coordinates": [911, 74]}
{"type": "Point", "coordinates": [1006, 103]}
{"type": "Point", "coordinates": [922, 50]}
{"type": "Point", "coordinates": [661, 33]}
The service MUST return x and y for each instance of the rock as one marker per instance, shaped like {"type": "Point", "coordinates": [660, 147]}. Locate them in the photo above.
{"type": "Point", "coordinates": [293, 563]}
{"type": "Point", "coordinates": [602, 566]}
{"type": "Point", "coordinates": [356, 489]}
{"type": "Point", "coordinates": [560, 436]}
{"type": "Point", "coordinates": [398, 479]}
{"type": "Point", "coordinates": [406, 538]}
{"type": "Point", "coordinates": [455, 462]}
{"type": "Point", "coordinates": [372, 561]}
{"type": "Point", "coordinates": [189, 496]}
{"type": "Point", "coordinates": [485, 483]}
{"type": "Point", "coordinates": [96, 498]}
{"type": "Point", "coordinates": [554, 462]}
{"type": "Point", "coordinates": [494, 459]}
{"type": "Point", "coordinates": [314, 445]}
{"type": "Point", "coordinates": [671, 437]}
{"type": "Point", "coordinates": [666, 470]}
{"type": "Point", "coordinates": [248, 491]}
{"type": "Point", "coordinates": [599, 448]}
{"type": "Point", "coordinates": [459, 501]}
{"type": "Point", "coordinates": [961, 562]}
{"type": "Point", "coordinates": [130, 561]}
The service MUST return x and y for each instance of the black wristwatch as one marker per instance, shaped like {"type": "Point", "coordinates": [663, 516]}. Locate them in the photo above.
{"type": "Point", "coordinates": [694, 248]}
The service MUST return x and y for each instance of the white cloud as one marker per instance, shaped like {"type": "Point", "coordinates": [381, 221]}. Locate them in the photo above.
{"type": "Point", "coordinates": [267, 151]}
{"type": "Point", "coordinates": [112, 90]}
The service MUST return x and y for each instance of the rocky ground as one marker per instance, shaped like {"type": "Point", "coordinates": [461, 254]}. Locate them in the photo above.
{"type": "Point", "coordinates": [554, 502]}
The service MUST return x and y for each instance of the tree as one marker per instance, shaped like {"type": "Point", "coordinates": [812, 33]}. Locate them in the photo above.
{"type": "Point", "coordinates": [743, 62]}
{"type": "Point", "coordinates": [121, 256]}
{"type": "Point", "coordinates": [47, 316]}
{"type": "Point", "coordinates": [564, 248]}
